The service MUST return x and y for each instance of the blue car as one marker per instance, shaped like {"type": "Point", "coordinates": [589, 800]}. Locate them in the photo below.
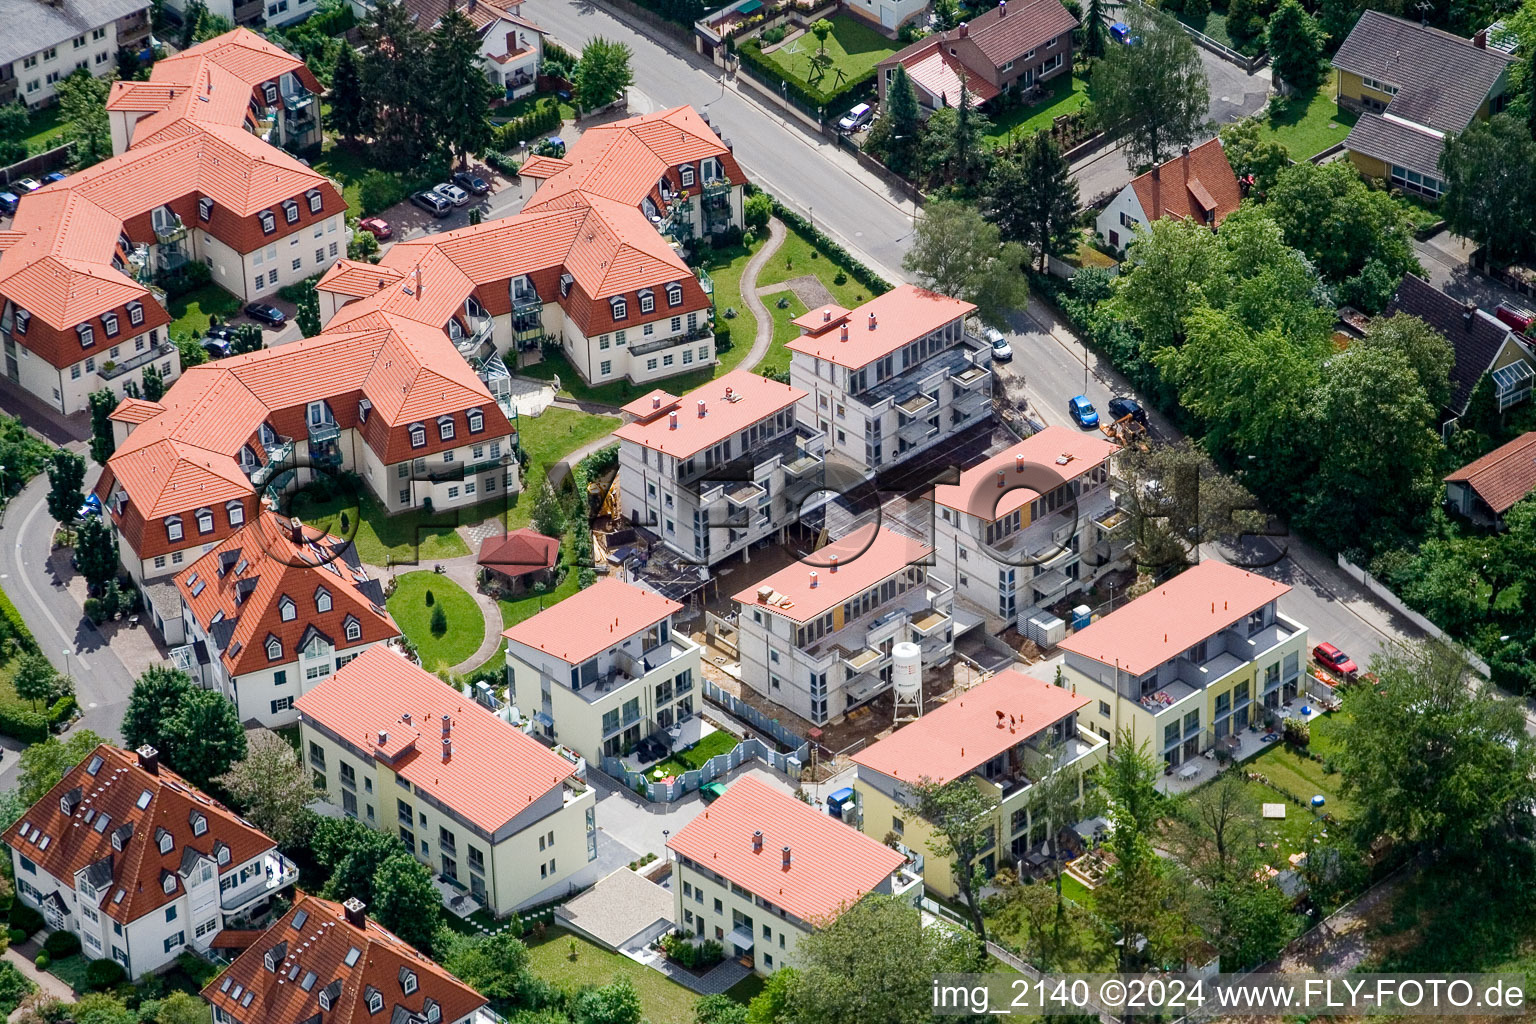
{"type": "Point", "coordinates": [54, 177]}
{"type": "Point", "coordinates": [1120, 32]}
{"type": "Point", "coordinates": [8, 201]}
{"type": "Point", "coordinates": [1083, 412]}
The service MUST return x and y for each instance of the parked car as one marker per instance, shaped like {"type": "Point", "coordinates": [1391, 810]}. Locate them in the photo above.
{"type": "Point", "coordinates": [8, 201]}
{"type": "Point", "coordinates": [220, 332]}
{"type": "Point", "coordinates": [472, 183]}
{"type": "Point", "coordinates": [1120, 408]}
{"type": "Point", "coordinates": [90, 510]}
{"type": "Point", "coordinates": [26, 185]}
{"type": "Point", "coordinates": [266, 313]}
{"type": "Point", "coordinates": [433, 203]}
{"type": "Point", "coordinates": [452, 193]}
{"type": "Point", "coordinates": [54, 176]}
{"type": "Point", "coordinates": [1516, 318]}
{"type": "Point", "coordinates": [857, 119]}
{"type": "Point", "coordinates": [1002, 352]}
{"type": "Point", "coordinates": [378, 227]}
{"type": "Point", "coordinates": [1335, 660]}
{"type": "Point", "coordinates": [1083, 412]}
{"type": "Point", "coordinates": [1120, 32]}
{"type": "Point", "coordinates": [217, 348]}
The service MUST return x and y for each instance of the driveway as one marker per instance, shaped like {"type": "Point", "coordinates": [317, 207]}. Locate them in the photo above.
{"type": "Point", "coordinates": [643, 826]}
{"type": "Point", "coordinates": [1444, 258]}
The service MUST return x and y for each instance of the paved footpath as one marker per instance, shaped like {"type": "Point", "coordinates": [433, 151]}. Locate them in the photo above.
{"type": "Point", "coordinates": [50, 985]}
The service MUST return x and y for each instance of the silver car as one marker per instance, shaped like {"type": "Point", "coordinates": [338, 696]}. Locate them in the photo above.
{"type": "Point", "coordinates": [452, 193]}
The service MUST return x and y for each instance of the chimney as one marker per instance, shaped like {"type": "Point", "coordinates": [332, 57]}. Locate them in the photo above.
{"type": "Point", "coordinates": [1018, 463]}
{"type": "Point", "coordinates": [447, 750]}
{"type": "Point", "coordinates": [962, 30]}
{"type": "Point", "coordinates": [701, 408]}
{"type": "Point", "coordinates": [786, 858]}
{"type": "Point", "coordinates": [757, 841]}
{"type": "Point", "coordinates": [1468, 312]}
{"type": "Point", "coordinates": [871, 321]}
{"type": "Point", "coordinates": [845, 332]}
{"type": "Point", "coordinates": [655, 401]}
{"type": "Point", "coordinates": [296, 530]}
{"type": "Point", "coordinates": [447, 741]}
{"type": "Point", "coordinates": [672, 420]}
{"type": "Point", "coordinates": [1000, 476]}
{"type": "Point", "coordinates": [826, 316]}
{"type": "Point", "coordinates": [149, 759]}
{"type": "Point", "coordinates": [813, 579]}
{"type": "Point", "coordinates": [1480, 40]}
{"type": "Point", "coordinates": [383, 737]}
{"type": "Point", "coordinates": [1002, 8]}
{"type": "Point", "coordinates": [729, 391]}
{"type": "Point", "coordinates": [833, 560]}
{"type": "Point", "coordinates": [356, 912]}
{"type": "Point", "coordinates": [405, 716]}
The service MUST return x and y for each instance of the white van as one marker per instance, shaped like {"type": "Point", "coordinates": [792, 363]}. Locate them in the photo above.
{"type": "Point", "coordinates": [857, 119]}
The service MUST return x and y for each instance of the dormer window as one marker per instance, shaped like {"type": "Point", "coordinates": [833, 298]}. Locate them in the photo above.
{"type": "Point", "coordinates": [686, 173]}
{"type": "Point", "coordinates": [315, 200]}
{"type": "Point", "coordinates": [205, 209]}
{"type": "Point", "coordinates": [375, 1000]}
{"type": "Point", "coordinates": [173, 527]}
{"type": "Point", "coordinates": [290, 211]}
{"type": "Point", "coordinates": [235, 510]}
{"type": "Point", "coordinates": [23, 318]}
{"type": "Point", "coordinates": [199, 824]}
{"type": "Point", "coordinates": [322, 600]}
{"type": "Point", "coordinates": [407, 981]}
{"type": "Point", "coordinates": [476, 421]}
{"type": "Point", "coordinates": [205, 520]}
{"type": "Point", "coordinates": [135, 313]}
{"type": "Point", "coordinates": [270, 92]}
{"type": "Point", "coordinates": [164, 841]}
{"type": "Point", "coordinates": [620, 308]}
{"type": "Point", "coordinates": [268, 222]}
{"type": "Point", "coordinates": [287, 609]}
{"type": "Point", "coordinates": [87, 335]}
{"type": "Point", "coordinates": [109, 324]}
{"type": "Point", "coordinates": [221, 854]}
{"type": "Point", "coordinates": [647, 301]}
{"type": "Point", "coordinates": [274, 649]}
{"type": "Point", "coordinates": [354, 629]}
{"type": "Point", "coordinates": [169, 883]}
{"type": "Point", "coordinates": [445, 428]}
{"type": "Point", "coordinates": [674, 294]}
{"type": "Point", "coordinates": [418, 435]}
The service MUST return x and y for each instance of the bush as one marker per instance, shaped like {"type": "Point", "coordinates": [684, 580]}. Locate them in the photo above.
{"type": "Point", "coordinates": [774, 36]}
{"type": "Point", "coordinates": [95, 610]}
{"type": "Point", "coordinates": [544, 118]}
{"type": "Point", "coordinates": [42, 961]}
{"type": "Point", "coordinates": [103, 974]}
{"type": "Point", "coordinates": [17, 936]}
{"type": "Point", "coordinates": [25, 919]}
{"type": "Point", "coordinates": [26, 725]}
{"type": "Point", "coordinates": [14, 626]}
{"type": "Point", "coordinates": [189, 277]}
{"type": "Point", "coordinates": [62, 944]}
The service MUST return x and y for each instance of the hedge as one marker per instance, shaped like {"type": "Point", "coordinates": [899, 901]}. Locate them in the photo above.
{"type": "Point", "coordinates": [103, 974]}
{"type": "Point", "coordinates": [62, 944]}
{"type": "Point", "coordinates": [23, 724]}
{"type": "Point", "coordinates": [862, 274]}
{"type": "Point", "coordinates": [751, 53]}
{"type": "Point", "coordinates": [545, 118]}
{"type": "Point", "coordinates": [13, 625]}
{"type": "Point", "coordinates": [25, 919]}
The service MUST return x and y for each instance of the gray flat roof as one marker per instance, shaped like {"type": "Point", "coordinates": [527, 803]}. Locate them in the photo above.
{"type": "Point", "coordinates": [618, 908]}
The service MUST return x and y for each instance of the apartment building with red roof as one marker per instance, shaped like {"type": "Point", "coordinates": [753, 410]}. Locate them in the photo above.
{"type": "Point", "coordinates": [1014, 47]}
{"type": "Point", "coordinates": [325, 961]}
{"type": "Point", "coordinates": [1030, 526]}
{"type": "Point", "coordinates": [715, 471]}
{"type": "Point", "coordinates": [893, 378]}
{"type": "Point", "coordinates": [128, 856]}
{"type": "Point", "coordinates": [1004, 734]}
{"type": "Point", "coordinates": [1191, 663]}
{"type": "Point", "coordinates": [1198, 185]}
{"type": "Point", "coordinates": [603, 669]}
{"type": "Point", "coordinates": [821, 635]}
{"type": "Point", "coordinates": [272, 610]}
{"type": "Point", "coordinates": [759, 870]}
{"type": "Point", "coordinates": [485, 806]}
{"type": "Point", "coordinates": [194, 179]}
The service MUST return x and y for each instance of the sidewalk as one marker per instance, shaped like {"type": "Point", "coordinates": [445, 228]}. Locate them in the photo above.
{"type": "Point", "coordinates": [22, 957]}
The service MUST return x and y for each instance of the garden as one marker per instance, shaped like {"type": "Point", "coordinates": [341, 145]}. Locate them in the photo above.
{"type": "Point", "coordinates": [691, 760]}
{"type": "Point", "coordinates": [440, 617]}
{"type": "Point", "coordinates": [1307, 124]}
{"type": "Point", "coordinates": [822, 72]}
{"type": "Point", "coordinates": [381, 539]}
{"type": "Point", "coordinates": [570, 962]}
{"type": "Point", "coordinates": [1067, 94]}
{"type": "Point", "coordinates": [192, 312]}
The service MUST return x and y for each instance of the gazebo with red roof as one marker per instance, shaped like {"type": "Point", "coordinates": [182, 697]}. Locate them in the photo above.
{"type": "Point", "coordinates": [520, 557]}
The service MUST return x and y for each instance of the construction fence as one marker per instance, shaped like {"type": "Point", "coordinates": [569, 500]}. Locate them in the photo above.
{"type": "Point", "coordinates": [665, 791]}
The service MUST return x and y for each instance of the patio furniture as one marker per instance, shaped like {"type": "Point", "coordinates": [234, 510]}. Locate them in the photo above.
{"type": "Point", "coordinates": [1190, 770]}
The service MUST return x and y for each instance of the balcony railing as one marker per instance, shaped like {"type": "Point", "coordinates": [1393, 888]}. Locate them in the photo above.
{"type": "Point", "coordinates": [323, 432]}
{"type": "Point", "coordinates": [280, 872]}
{"type": "Point", "coordinates": [149, 355]}
{"type": "Point", "coordinates": [172, 232]}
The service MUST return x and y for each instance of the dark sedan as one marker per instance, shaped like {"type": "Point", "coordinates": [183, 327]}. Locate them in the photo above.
{"type": "Point", "coordinates": [472, 183]}
{"type": "Point", "coordinates": [267, 314]}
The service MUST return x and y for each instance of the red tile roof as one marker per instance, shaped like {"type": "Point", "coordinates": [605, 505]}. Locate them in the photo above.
{"type": "Point", "coordinates": [136, 411]}
{"type": "Point", "coordinates": [863, 558]}
{"type": "Point", "coordinates": [493, 771]}
{"type": "Point", "coordinates": [880, 326]}
{"type": "Point", "coordinates": [592, 620]}
{"type": "Point", "coordinates": [831, 867]}
{"type": "Point", "coordinates": [1002, 34]}
{"type": "Point", "coordinates": [242, 583]}
{"type": "Point", "coordinates": [1163, 623]}
{"type": "Point", "coordinates": [317, 954]}
{"type": "Point", "coordinates": [945, 75]}
{"type": "Point", "coordinates": [116, 811]}
{"type": "Point", "coordinates": [1049, 458]}
{"type": "Point", "coordinates": [519, 552]}
{"type": "Point", "coordinates": [1191, 186]}
{"type": "Point", "coordinates": [972, 729]}
{"type": "Point", "coordinates": [753, 398]}
{"type": "Point", "coordinates": [1504, 476]}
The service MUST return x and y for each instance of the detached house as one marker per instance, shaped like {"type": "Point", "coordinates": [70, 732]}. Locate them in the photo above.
{"type": "Point", "coordinates": [510, 44]}
{"type": "Point", "coordinates": [141, 866]}
{"type": "Point", "coordinates": [1197, 185]}
{"type": "Point", "coordinates": [1486, 488]}
{"type": "Point", "coordinates": [1014, 46]}
{"type": "Point", "coordinates": [1414, 86]}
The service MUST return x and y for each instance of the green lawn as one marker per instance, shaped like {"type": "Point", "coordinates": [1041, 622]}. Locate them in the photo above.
{"type": "Point", "coordinates": [526, 606]}
{"type": "Point", "coordinates": [405, 537]}
{"type": "Point", "coordinates": [548, 438]}
{"type": "Point", "coordinates": [46, 130]}
{"type": "Point", "coordinates": [725, 268]}
{"type": "Point", "coordinates": [1069, 94]}
{"type": "Point", "coordinates": [615, 393]}
{"type": "Point", "coordinates": [1307, 125]}
{"type": "Point", "coordinates": [466, 626]}
{"type": "Point", "coordinates": [526, 105]}
{"type": "Point", "coordinates": [1300, 776]}
{"type": "Point", "coordinates": [190, 313]}
{"type": "Point", "coordinates": [1214, 25]}
{"type": "Point", "coordinates": [853, 46]}
{"type": "Point", "coordinates": [798, 257]}
{"type": "Point", "coordinates": [692, 759]}
{"type": "Point", "coordinates": [663, 1000]}
{"type": "Point", "coordinates": [784, 330]}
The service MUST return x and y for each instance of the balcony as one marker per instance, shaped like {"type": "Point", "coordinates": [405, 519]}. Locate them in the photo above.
{"type": "Point", "coordinates": [656, 345]}
{"type": "Point", "coordinates": [246, 13]}
{"type": "Point", "coordinates": [706, 282]}
{"type": "Point", "coordinates": [281, 873]}
{"type": "Point", "coordinates": [320, 433]}
{"type": "Point", "coordinates": [172, 231]}
{"type": "Point", "coordinates": [971, 378]}
{"type": "Point", "coordinates": [487, 465]}
{"type": "Point", "coordinates": [329, 457]}
{"type": "Point", "coordinates": [627, 668]}
{"type": "Point", "coordinates": [866, 660]}
{"type": "Point", "coordinates": [745, 495]}
{"type": "Point", "coordinates": [917, 432]}
{"type": "Point", "coordinates": [111, 371]}
{"type": "Point", "coordinates": [917, 404]}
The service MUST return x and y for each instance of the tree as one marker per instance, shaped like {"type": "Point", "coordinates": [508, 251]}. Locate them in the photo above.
{"type": "Point", "coordinates": [1034, 200]}
{"type": "Point", "coordinates": [96, 552]}
{"type": "Point", "coordinates": [307, 303]}
{"type": "Point", "coordinates": [1337, 19]}
{"type": "Point", "coordinates": [248, 338]}
{"type": "Point", "coordinates": [462, 92]}
{"type": "Point", "coordinates": [15, 125]}
{"type": "Point", "coordinates": [614, 1003]}
{"type": "Point", "coordinates": [957, 253]}
{"type": "Point", "coordinates": [203, 737]}
{"type": "Point", "coordinates": [439, 623]}
{"type": "Point", "coordinates": [1295, 46]}
{"type": "Point", "coordinates": [901, 125]}
{"type": "Point", "coordinates": [36, 679]}
{"type": "Point", "coordinates": [602, 74]}
{"type": "Point", "coordinates": [1056, 799]}
{"type": "Point", "coordinates": [102, 445]}
{"type": "Point", "coordinates": [363, 247]}
{"type": "Point", "coordinates": [821, 28]}
{"type": "Point", "coordinates": [494, 966]}
{"type": "Point", "coordinates": [1154, 94]}
{"type": "Point", "coordinates": [348, 110]}
{"type": "Point", "coordinates": [192, 13]}
{"type": "Point", "coordinates": [101, 1008]}
{"type": "Point", "coordinates": [1250, 920]}
{"type": "Point", "coordinates": [155, 696]}
{"type": "Point", "coordinates": [271, 787]}
{"type": "Point", "coordinates": [1331, 215]}
{"type": "Point", "coordinates": [83, 106]}
{"type": "Point", "coordinates": [955, 142]}
{"type": "Point", "coordinates": [846, 974]}
{"type": "Point", "coordinates": [718, 1009]}
{"type": "Point", "coordinates": [405, 900]}
{"type": "Point", "coordinates": [1252, 150]}
{"type": "Point", "coordinates": [182, 1008]}
{"type": "Point", "coordinates": [961, 816]}
{"type": "Point", "coordinates": [354, 873]}
{"type": "Point", "coordinates": [154, 383]}
{"type": "Point", "coordinates": [66, 475]}
{"type": "Point", "coordinates": [1095, 35]}
{"type": "Point", "coordinates": [128, 64]}
{"type": "Point", "coordinates": [757, 210]}
{"type": "Point", "coordinates": [1176, 498]}
{"type": "Point", "coordinates": [1490, 186]}
{"type": "Point", "coordinates": [1215, 831]}
{"type": "Point", "coordinates": [44, 764]}
{"type": "Point", "coordinates": [548, 515]}
{"type": "Point", "coordinates": [1434, 758]}
{"type": "Point", "coordinates": [771, 1004]}
{"type": "Point", "coordinates": [396, 84]}
{"type": "Point", "coordinates": [1426, 350]}
{"type": "Point", "coordinates": [946, 14]}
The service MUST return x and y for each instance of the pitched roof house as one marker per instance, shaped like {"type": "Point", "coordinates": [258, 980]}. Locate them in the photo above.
{"type": "Point", "coordinates": [140, 865]}
{"type": "Point", "coordinates": [1486, 488]}
{"type": "Point", "coordinates": [1414, 85]}
{"type": "Point", "coordinates": [510, 44]}
{"type": "Point", "coordinates": [1012, 46]}
{"type": "Point", "coordinates": [1198, 185]}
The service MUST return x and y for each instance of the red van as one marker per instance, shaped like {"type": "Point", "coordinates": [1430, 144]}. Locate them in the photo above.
{"type": "Point", "coordinates": [1516, 318]}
